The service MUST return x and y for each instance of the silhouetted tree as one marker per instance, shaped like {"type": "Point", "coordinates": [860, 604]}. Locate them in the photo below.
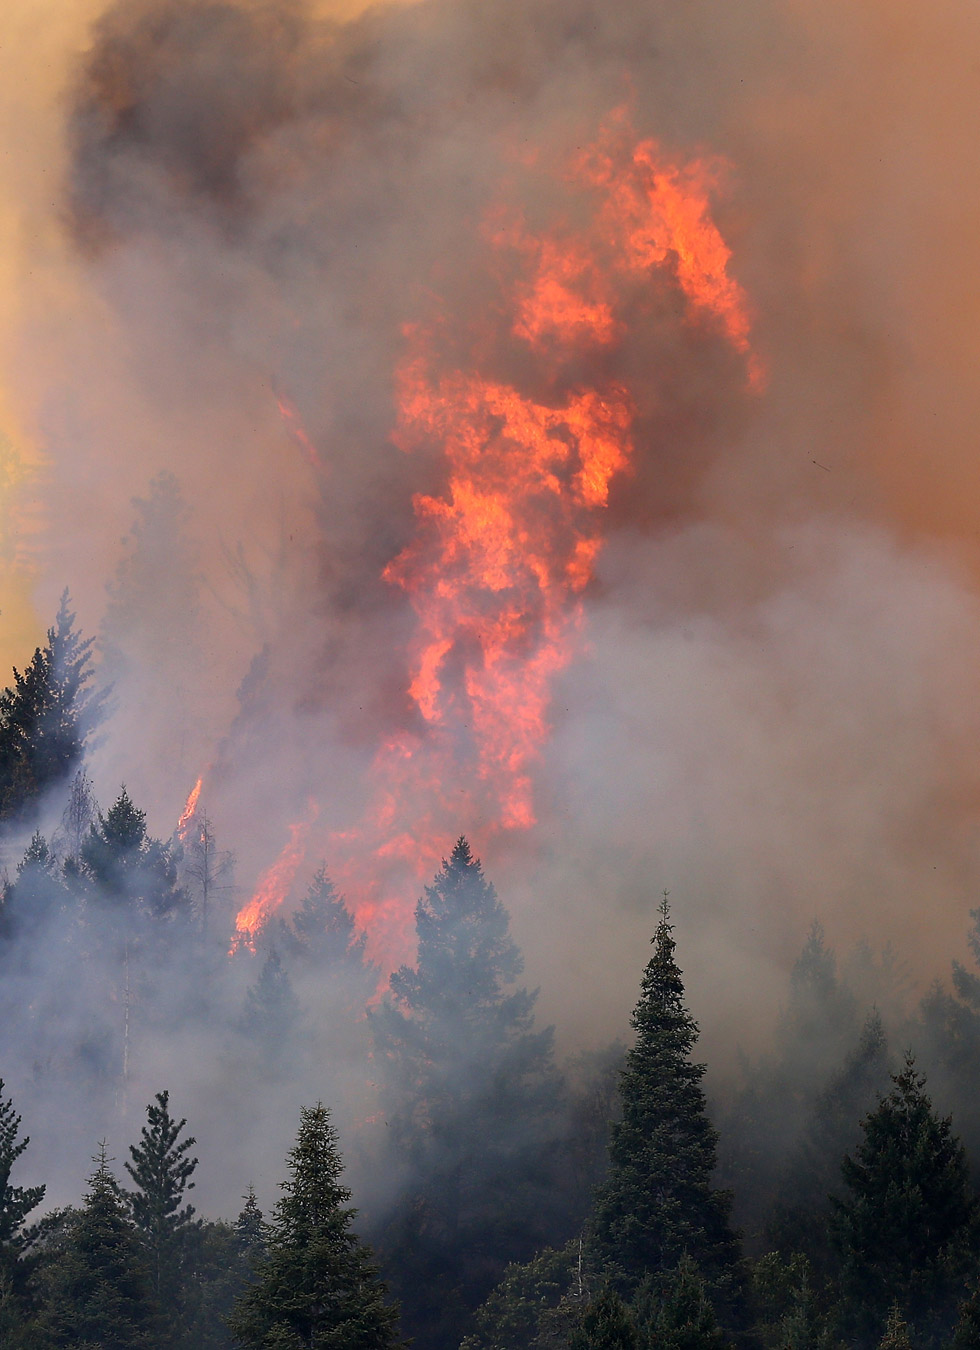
{"type": "Point", "coordinates": [906, 1228]}
{"type": "Point", "coordinates": [317, 1285]}
{"type": "Point", "coordinates": [161, 1171]}
{"type": "Point", "coordinates": [469, 1092]}
{"type": "Point", "coordinates": [47, 716]}
{"type": "Point", "coordinates": [658, 1204]}
{"type": "Point", "coordinates": [97, 1293]}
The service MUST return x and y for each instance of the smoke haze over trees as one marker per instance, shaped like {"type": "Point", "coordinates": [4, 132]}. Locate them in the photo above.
{"type": "Point", "coordinates": [291, 290]}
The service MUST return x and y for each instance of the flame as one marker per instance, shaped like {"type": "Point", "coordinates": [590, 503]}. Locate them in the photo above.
{"type": "Point", "coordinates": [275, 883]}
{"type": "Point", "coordinates": [190, 807]}
{"type": "Point", "coordinates": [296, 429]}
{"type": "Point", "coordinates": [505, 548]}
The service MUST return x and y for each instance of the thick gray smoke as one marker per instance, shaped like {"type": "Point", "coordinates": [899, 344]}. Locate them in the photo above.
{"type": "Point", "coordinates": [774, 711]}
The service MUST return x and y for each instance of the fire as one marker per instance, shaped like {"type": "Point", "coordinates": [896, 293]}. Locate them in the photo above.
{"type": "Point", "coordinates": [298, 432]}
{"type": "Point", "coordinates": [531, 426]}
{"type": "Point", "coordinates": [275, 883]}
{"type": "Point", "coordinates": [190, 807]}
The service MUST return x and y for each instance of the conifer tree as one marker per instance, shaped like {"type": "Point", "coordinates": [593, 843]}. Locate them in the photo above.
{"type": "Point", "coordinates": [161, 1171]}
{"type": "Point", "coordinates": [606, 1325]}
{"type": "Point", "coordinates": [98, 1293]}
{"type": "Point", "coordinates": [967, 1333]}
{"type": "Point", "coordinates": [128, 868]}
{"type": "Point", "coordinates": [674, 1311]}
{"type": "Point", "coordinates": [658, 1203]}
{"type": "Point", "coordinates": [317, 1286]}
{"type": "Point", "coordinates": [250, 1231]}
{"type": "Point", "coordinates": [322, 931]}
{"type": "Point", "coordinates": [16, 1203]}
{"type": "Point", "coordinates": [47, 716]}
{"type": "Point", "coordinates": [272, 1011]}
{"type": "Point", "coordinates": [469, 1091]}
{"type": "Point", "coordinates": [896, 1334]}
{"type": "Point", "coordinates": [907, 1226]}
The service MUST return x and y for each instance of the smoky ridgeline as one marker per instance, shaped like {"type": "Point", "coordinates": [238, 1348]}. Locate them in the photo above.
{"type": "Point", "coordinates": [506, 1200]}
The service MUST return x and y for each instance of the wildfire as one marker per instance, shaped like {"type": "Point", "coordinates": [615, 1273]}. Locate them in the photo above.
{"type": "Point", "coordinates": [275, 883]}
{"type": "Point", "coordinates": [190, 807]}
{"type": "Point", "coordinates": [529, 446]}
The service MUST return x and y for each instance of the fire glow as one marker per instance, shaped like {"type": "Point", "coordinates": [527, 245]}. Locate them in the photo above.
{"type": "Point", "coordinates": [502, 553]}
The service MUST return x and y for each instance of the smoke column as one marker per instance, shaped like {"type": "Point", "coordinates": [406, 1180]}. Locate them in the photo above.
{"type": "Point", "coordinates": [229, 229]}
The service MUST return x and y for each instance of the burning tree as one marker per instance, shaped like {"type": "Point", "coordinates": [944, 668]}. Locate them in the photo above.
{"type": "Point", "coordinates": [469, 1090]}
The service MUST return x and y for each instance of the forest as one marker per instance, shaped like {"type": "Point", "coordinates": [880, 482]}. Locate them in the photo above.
{"type": "Point", "coordinates": [830, 1199]}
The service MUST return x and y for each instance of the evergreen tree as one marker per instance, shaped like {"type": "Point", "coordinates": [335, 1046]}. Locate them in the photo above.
{"type": "Point", "coordinates": [967, 1333]}
{"type": "Point", "coordinates": [606, 1325]}
{"type": "Point", "coordinates": [250, 1231]}
{"type": "Point", "coordinates": [16, 1203]}
{"type": "Point", "coordinates": [271, 1013]}
{"type": "Point", "coordinates": [896, 1336]}
{"type": "Point", "coordinates": [47, 716]}
{"type": "Point", "coordinates": [322, 931]}
{"type": "Point", "coordinates": [674, 1311]}
{"type": "Point", "coordinates": [802, 1214]}
{"type": "Point", "coordinates": [658, 1203]}
{"type": "Point", "coordinates": [161, 1170]}
{"type": "Point", "coordinates": [39, 893]}
{"type": "Point", "coordinates": [907, 1227]}
{"type": "Point", "coordinates": [317, 1286]}
{"type": "Point", "coordinates": [97, 1294]}
{"type": "Point", "coordinates": [127, 868]}
{"type": "Point", "coordinates": [535, 1305]}
{"type": "Point", "coordinates": [470, 1093]}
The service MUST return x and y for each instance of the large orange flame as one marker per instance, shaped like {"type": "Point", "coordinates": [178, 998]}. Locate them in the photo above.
{"type": "Point", "coordinates": [275, 883]}
{"type": "Point", "coordinates": [504, 550]}
{"type": "Point", "coordinates": [189, 811]}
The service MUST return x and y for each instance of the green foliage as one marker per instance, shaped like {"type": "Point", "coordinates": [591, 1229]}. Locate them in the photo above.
{"type": "Point", "coordinates": [967, 1333]}
{"type": "Point", "coordinates": [317, 1286]}
{"type": "Point", "coordinates": [469, 1092]}
{"type": "Point", "coordinates": [896, 1335]}
{"type": "Point", "coordinates": [46, 717]}
{"type": "Point", "coordinates": [126, 868]}
{"type": "Point", "coordinates": [161, 1171]}
{"type": "Point", "coordinates": [674, 1311]}
{"type": "Point", "coordinates": [801, 1218]}
{"type": "Point", "coordinates": [531, 1305]}
{"type": "Point", "coordinates": [605, 1325]}
{"type": "Point", "coordinates": [97, 1293]}
{"type": "Point", "coordinates": [251, 1234]}
{"type": "Point", "coordinates": [16, 1202]}
{"type": "Point", "coordinates": [271, 1011]}
{"type": "Point", "coordinates": [658, 1203]}
{"type": "Point", "coordinates": [786, 1305]}
{"type": "Point", "coordinates": [906, 1230]}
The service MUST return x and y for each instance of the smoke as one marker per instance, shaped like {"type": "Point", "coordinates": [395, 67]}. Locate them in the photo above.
{"type": "Point", "coordinates": [212, 207]}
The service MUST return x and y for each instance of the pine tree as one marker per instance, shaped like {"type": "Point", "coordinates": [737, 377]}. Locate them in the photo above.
{"type": "Point", "coordinates": [658, 1203]}
{"type": "Point", "coordinates": [47, 716]}
{"type": "Point", "coordinates": [161, 1170]}
{"type": "Point", "coordinates": [97, 1294]}
{"type": "Point", "coordinates": [606, 1325]}
{"type": "Point", "coordinates": [317, 1287]}
{"type": "Point", "coordinates": [896, 1335]}
{"type": "Point", "coordinates": [906, 1229]}
{"type": "Point", "coordinates": [801, 1217]}
{"type": "Point", "coordinates": [469, 1092]}
{"type": "Point", "coordinates": [674, 1311]}
{"type": "Point", "coordinates": [967, 1333]}
{"type": "Point", "coordinates": [322, 931]}
{"type": "Point", "coordinates": [271, 1013]}
{"type": "Point", "coordinates": [16, 1203]}
{"type": "Point", "coordinates": [127, 868]}
{"type": "Point", "coordinates": [250, 1231]}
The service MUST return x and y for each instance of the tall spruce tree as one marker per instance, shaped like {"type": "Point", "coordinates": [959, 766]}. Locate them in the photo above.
{"type": "Point", "coordinates": [469, 1092]}
{"type": "Point", "coordinates": [47, 716]}
{"type": "Point", "coordinates": [98, 1294]}
{"type": "Point", "coordinates": [658, 1204]}
{"type": "Point", "coordinates": [906, 1230]}
{"type": "Point", "coordinates": [317, 1286]}
{"type": "Point", "coordinates": [161, 1170]}
{"type": "Point", "coordinates": [16, 1203]}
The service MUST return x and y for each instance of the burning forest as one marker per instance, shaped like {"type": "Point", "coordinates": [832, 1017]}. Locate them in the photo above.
{"type": "Point", "coordinates": [484, 487]}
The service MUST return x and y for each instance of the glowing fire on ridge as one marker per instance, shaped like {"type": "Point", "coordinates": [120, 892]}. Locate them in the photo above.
{"type": "Point", "coordinates": [275, 883]}
{"type": "Point", "coordinates": [504, 550]}
{"type": "Point", "coordinates": [190, 807]}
